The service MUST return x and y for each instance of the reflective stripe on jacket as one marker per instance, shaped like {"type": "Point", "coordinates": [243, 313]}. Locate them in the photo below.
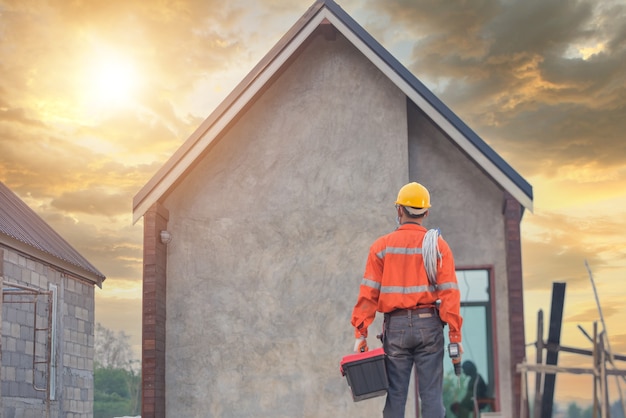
{"type": "Point", "coordinates": [395, 278]}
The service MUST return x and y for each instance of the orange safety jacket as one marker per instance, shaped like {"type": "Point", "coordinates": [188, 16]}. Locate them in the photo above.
{"type": "Point", "coordinates": [395, 278]}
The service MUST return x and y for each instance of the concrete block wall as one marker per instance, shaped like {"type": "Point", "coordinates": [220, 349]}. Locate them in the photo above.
{"type": "Point", "coordinates": [19, 338]}
{"type": "Point", "coordinates": [77, 349]}
{"type": "Point", "coordinates": [72, 386]}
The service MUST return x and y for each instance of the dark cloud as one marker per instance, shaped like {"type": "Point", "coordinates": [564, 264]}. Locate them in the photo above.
{"type": "Point", "coordinates": [543, 139]}
{"type": "Point", "coordinates": [592, 314]}
{"type": "Point", "coordinates": [74, 178]}
{"type": "Point", "coordinates": [43, 165]}
{"type": "Point", "coordinates": [40, 161]}
{"type": "Point", "coordinates": [539, 26]}
{"type": "Point", "coordinates": [94, 201]}
{"type": "Point", "coordinates": [435, 17]}
{"type": "Point", "coordinates": [618, 344]}
{"type": "Point", "coordinates": [158, 133]}
{"type": "Point", "coordinates": [566, 242]}
{"type": "Point", "coordinates": [547, 262]}
{"type": "Point", "coordinates": [114, 248]}
{"type": "Point", "coordinates": [18, 116]}
{"type": "Point", "coordinates": [510, 70]}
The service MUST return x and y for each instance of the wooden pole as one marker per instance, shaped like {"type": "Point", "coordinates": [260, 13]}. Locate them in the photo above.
{"type": "Point", "coordinates": [552, 355]}
{"type": "Point", "coordinates": [539, 376]}
{"type": "Point", "coordinates": [524, 402]}
{"type": "Point", "coordinates": [524, 399]}
{"type": "Point", "coordinates": [605, 392]}
{"type": "Point", "coordinates": [596, 367]}
{"type": "Point", "coordinates": [552, 369]}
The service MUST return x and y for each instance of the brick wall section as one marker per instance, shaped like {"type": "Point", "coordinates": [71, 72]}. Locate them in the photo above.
{"type": "Point", "coordinates": [154, 313]}
{"type": "Point", "coordinates": [513, 217]}
{"type": "Point", "coordinates": [74, 342]}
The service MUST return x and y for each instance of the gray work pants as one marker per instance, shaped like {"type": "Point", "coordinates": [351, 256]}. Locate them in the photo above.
{"type": "Point", "coordinates": [414, 339]}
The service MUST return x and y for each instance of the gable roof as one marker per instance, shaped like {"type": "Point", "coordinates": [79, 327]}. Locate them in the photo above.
{"type": "Point", "coordinates": [324, 12]}
{"type": "Point", "coordinates": [22, 229]}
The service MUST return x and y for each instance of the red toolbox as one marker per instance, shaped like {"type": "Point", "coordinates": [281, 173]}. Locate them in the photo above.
{"type": "Point", "coordinates": [366, 374]}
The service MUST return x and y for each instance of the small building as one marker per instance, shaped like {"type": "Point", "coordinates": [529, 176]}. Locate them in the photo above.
{"type": "Point", "coordinates": [256, 231]}
{"type": "Point", "coordinates": [47, 318]}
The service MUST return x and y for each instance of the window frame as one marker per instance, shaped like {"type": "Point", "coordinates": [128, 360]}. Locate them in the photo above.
{"type": "Point", "coordinates": [494, 382]}
{"type": "Point", "coordinates": [52, 383]}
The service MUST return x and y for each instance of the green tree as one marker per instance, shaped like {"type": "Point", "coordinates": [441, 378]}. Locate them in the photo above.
{"type": "Point", "coordinates": [112, 349]}
{"type": "Point", "coordinates": [616, 410]}
{"type": "Point", "coordinates": [113, 381]}
{"type": "Point", "coordinates": [574, 411]}
{"type": "Point", "coordinates": [117, 381]}
{"type": "Point", "coordinates": [453, 390]}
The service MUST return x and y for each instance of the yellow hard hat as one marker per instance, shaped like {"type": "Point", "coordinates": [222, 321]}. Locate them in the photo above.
{"type": "Point", "coordinates": [413, 195]}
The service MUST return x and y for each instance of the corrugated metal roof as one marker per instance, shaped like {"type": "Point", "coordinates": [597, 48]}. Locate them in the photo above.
{"type": "Point", "coordinates": [20, 222]}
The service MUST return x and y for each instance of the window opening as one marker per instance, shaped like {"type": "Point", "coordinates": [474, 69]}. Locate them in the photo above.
{"type": "Point", "coordinates": [478, 346]}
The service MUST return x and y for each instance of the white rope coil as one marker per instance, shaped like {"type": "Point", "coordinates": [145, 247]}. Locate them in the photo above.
{"type": "Point", "coordinates": [430, 254]}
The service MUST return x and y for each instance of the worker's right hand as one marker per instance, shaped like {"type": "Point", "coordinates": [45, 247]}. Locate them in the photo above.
{"type": "Point", "coordinates": [360, 345]}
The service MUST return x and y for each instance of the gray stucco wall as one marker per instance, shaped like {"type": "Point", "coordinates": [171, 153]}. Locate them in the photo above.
{"type": "Point", "coordinates": [270, 234]}
{"type": "Point", "coordinates": [271, 230]}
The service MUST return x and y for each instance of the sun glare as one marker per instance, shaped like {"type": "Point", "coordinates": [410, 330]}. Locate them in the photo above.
{"type": "Point", "coordinates": [114, 80]}
{"type": "Point", "coordinates": [111, 79]}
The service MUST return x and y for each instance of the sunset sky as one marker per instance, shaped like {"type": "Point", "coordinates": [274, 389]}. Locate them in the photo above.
{"type": "Point", "coordinates": [96, 95]}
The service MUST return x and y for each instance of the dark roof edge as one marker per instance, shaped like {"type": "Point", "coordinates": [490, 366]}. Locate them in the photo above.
{"type": "Point", "coordinates": [430, 97]}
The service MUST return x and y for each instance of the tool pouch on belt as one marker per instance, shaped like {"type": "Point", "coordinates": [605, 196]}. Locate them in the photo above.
{"type": "Point", "coordinates": [381, 336]}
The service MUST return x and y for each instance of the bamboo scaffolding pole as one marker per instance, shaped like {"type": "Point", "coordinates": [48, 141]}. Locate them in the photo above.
{"type": "Point", "coordinates": [599, 372]}
{"type": "Point", "coordinates": [552, 369]}
{"type": "Point", "coordinates": [600, 354]}
{"type": "Point", "coordinates": [524, 402]}
{"type": "Point", "coordinates": [596, 365]}
{"type": "Point", "coordinates": [539, 360]}
{"type": "Point", "coordinates": [603, 378]}
{"type": "Point", "coordinates": [608, 343]}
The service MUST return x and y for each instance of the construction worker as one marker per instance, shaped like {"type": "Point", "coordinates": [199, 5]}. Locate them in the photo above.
{"type": "Point", "coordinates": [410, 278]}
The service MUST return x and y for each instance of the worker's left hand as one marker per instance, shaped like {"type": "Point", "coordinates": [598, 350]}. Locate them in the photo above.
{"type": "Point", "coordinates": [360, 345]}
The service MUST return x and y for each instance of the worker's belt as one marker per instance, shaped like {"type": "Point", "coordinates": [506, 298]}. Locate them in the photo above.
{"type": "Point", "coordinates": [420, 312]}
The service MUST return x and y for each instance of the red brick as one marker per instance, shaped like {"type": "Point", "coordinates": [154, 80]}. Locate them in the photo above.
{"type": "Point", "coordinates": [154, 313]}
